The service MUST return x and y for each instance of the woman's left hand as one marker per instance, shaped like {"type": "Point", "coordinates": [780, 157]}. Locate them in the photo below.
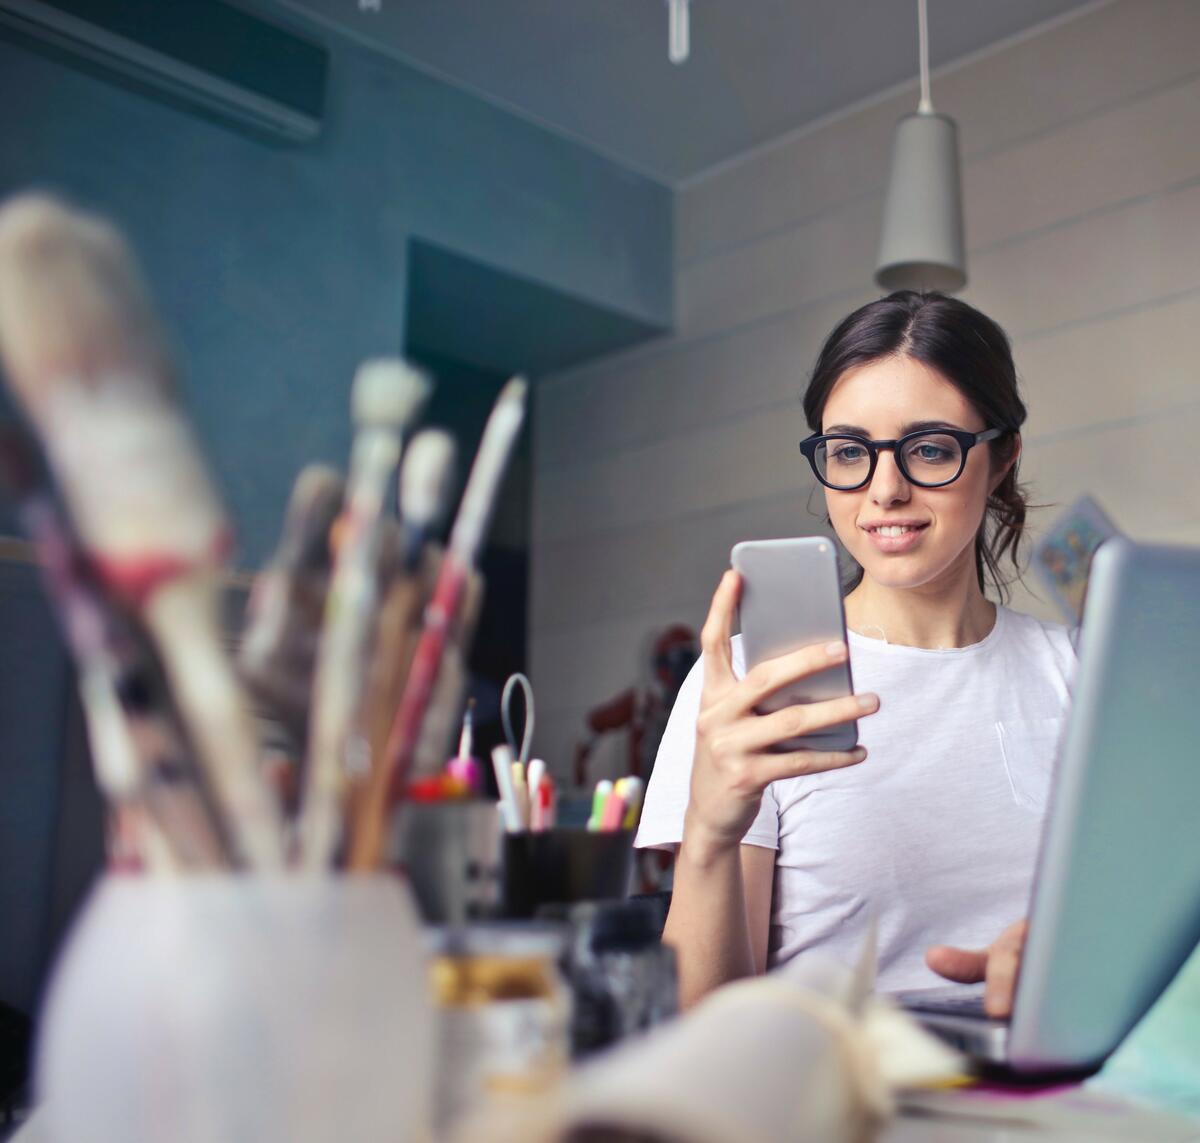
{"type": "Point", "coordinates": [996, 965]}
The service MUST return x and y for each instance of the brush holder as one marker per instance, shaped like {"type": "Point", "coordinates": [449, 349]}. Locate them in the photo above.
{"type": "Point", "coordinates": [463, 867]}
{"type": "Point", "coordinates": [239, 1008]}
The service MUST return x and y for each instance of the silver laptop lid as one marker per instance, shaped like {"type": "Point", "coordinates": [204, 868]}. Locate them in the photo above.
{"type": "Point", "coordinates": [1116, 906]}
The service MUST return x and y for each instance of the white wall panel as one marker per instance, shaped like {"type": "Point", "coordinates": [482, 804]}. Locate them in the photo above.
{"type": "Point", "coordinates": [1104, 262]}
{"type": "Point", "coordinates": [1125, 152]}
{"type": "Point", "coordinates": [684, 386]}
{"type": "Point", "coordinates": [721, 465]}
{"type": "Point", "coordinates": [1132, 365]}
{"type": "Point", "coordinates": [832, 254]}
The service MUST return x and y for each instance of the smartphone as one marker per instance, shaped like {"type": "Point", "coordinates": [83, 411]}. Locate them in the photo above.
{"type": "Point", "coordinates": [792, 598]}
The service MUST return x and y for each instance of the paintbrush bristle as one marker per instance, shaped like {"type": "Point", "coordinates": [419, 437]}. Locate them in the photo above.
{"type": "Point", "coordinates": [427, 478]}
{"type": "Point", "coordinates": [388, 393]}
{"type": "Point", "coordinates": [71, 301]}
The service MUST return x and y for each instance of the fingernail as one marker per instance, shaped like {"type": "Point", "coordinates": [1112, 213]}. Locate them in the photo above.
{"type": "Point", "coordinates": [868, 702]}
{"type": "Point", "coordinates": [835, 650]}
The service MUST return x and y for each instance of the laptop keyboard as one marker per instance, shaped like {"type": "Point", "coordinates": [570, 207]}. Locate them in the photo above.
{"type": "Point", "coordinates": [939, 1001]}
{"type": "Point", "coordinates": [955, 1005]}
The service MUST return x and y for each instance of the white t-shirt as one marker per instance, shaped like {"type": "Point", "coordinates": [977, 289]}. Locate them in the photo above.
{"type": "Point", "coordinates": [936, 831]}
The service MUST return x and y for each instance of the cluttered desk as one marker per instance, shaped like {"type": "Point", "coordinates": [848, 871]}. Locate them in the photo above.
{"type": "Point", "coordinates": [252, 966]}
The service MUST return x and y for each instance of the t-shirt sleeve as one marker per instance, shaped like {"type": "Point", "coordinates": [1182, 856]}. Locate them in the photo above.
{"type": "Point", "coordinates": [667, 793]}
{"type": "Point", "coordinates": [666, 799]}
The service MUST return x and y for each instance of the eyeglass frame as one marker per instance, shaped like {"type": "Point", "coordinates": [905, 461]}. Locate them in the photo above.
{"type": "Point", "coordinates": [966, 441]}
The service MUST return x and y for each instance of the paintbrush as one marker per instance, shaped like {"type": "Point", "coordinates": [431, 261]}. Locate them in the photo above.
{"type": "Point", "coordinates": [387, 397]}
{"type": "Point", "coordinates": [454, 573]}
{"type": "Point", "coordinates": [141, 761]}
{"type": "Point", "coordinates": [450, 689]}
{"type": "Point", "coordinates": [87, 360]}
{"type": "Point", "coordinates": [425, 491]}
{"type": "Point", "coordinates": [278, 651]}
{"type": "Point", "coordinates": [426, 488]}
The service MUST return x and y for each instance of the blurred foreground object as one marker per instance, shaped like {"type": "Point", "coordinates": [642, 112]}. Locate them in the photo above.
{"type": "Point", "coordinates": [283, 1010]}
{"type": "Point", "coordinates": [1062, 558]}
{"type": "Point", "coordinates": [87, 360]}
{"type": "Point", "coordinates": [800, 1054]}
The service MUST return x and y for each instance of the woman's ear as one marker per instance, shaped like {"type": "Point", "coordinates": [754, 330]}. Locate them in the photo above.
{"type": "Point", "coordinates": [1007, 465]}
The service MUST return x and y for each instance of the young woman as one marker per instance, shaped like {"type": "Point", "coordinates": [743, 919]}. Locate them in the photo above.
{"type": "Point", "coordinates": [932, 823]}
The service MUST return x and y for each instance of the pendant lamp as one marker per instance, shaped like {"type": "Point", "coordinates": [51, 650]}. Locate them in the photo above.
{"type": "Point", "coordinates": [921, 246]}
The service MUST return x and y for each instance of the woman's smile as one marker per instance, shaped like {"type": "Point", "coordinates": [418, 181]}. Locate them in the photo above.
{"type": "Point", "coordinates": [895, 536]}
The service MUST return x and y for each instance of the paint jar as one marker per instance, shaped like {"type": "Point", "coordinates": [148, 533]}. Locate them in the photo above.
{"type": "Point", "coordinates": [503, 1015]}
{"type": "Point", "coordinates": [198, 1008]}
{"type": "Point", "coordinates": [623, 978]}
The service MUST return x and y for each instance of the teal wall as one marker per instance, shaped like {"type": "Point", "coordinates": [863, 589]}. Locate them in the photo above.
{"type": "Point", "coordinates": [279, 268]}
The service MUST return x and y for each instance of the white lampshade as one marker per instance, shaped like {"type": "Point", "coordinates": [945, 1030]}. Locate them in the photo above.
{"type": "Point", "coordinates": [921, 246]}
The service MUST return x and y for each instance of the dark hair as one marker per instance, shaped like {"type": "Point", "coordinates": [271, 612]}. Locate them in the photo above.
{"type": "Point", "coordinates": [972, 352]}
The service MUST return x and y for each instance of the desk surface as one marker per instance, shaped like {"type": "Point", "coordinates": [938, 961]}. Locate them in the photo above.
{"type": "Point", "coordinates": [906, 1129]}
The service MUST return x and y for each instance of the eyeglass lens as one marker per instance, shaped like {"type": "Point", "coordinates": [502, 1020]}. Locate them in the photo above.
{"type": "Point", "coordinates": [932, 458]}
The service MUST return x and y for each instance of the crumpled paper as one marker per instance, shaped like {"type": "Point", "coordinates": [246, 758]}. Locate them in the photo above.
{"type": "Point", "coordinates": [804, 1053]}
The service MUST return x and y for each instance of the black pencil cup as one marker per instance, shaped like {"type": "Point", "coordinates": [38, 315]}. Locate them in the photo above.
{"type": "Point", "coordinates": [562, 866]}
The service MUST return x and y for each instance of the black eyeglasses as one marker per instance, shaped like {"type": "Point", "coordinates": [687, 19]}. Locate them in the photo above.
{"type": "Point", "coordinates": [929, 458]}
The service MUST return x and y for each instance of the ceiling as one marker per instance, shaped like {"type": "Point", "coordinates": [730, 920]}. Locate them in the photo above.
{"type": "Point", "coordinates": [597, 70]}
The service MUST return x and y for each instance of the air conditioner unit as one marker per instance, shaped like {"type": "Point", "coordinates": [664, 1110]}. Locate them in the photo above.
{"type": "Point", "coordinates": [207, 54]}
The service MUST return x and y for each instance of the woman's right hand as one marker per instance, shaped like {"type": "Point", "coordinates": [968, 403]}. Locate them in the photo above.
{"type": "Point", "coordinates": [733, 762]}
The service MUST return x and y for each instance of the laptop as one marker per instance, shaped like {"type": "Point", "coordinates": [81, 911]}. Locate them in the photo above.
{"type": "Point", "coordinates": [1116, 899]}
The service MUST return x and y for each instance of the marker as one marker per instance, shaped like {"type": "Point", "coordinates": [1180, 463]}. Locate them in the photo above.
{"type": "Point", "coordinates": [502, 764]}
{"type": "Point", "coordinates": [633, 790]}
{"type": "Point", "coordinates": [547, 803]}
{"type": "Point", "coordinates": [534, 774]}
{"type": "Point", "coordinates": [599, 799]}
{"type": "Point", "coordinates": [613, 814]}
{"type": "Point", "coordinates": [521, 793]}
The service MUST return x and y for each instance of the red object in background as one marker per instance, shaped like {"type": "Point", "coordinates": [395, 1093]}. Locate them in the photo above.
{"type": "Point", "coordinates": [643, 710]}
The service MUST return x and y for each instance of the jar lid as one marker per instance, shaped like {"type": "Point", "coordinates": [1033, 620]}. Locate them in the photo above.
{"type": "Point", "coordinates": [500, 938]}
{"type": "Point", "coordinates": [617, 926]}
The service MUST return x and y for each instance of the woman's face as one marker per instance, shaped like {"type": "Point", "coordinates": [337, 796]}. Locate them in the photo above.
{"type": "Point", "coordinates": [883, 400]}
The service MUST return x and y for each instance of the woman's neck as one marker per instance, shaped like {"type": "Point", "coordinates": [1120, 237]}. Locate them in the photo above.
{"type": "Point", "coordinates": [949, 613]}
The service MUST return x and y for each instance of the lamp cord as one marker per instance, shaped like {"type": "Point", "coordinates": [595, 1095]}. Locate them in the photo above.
{"type": "Point", "coordinates": [925, 107]}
